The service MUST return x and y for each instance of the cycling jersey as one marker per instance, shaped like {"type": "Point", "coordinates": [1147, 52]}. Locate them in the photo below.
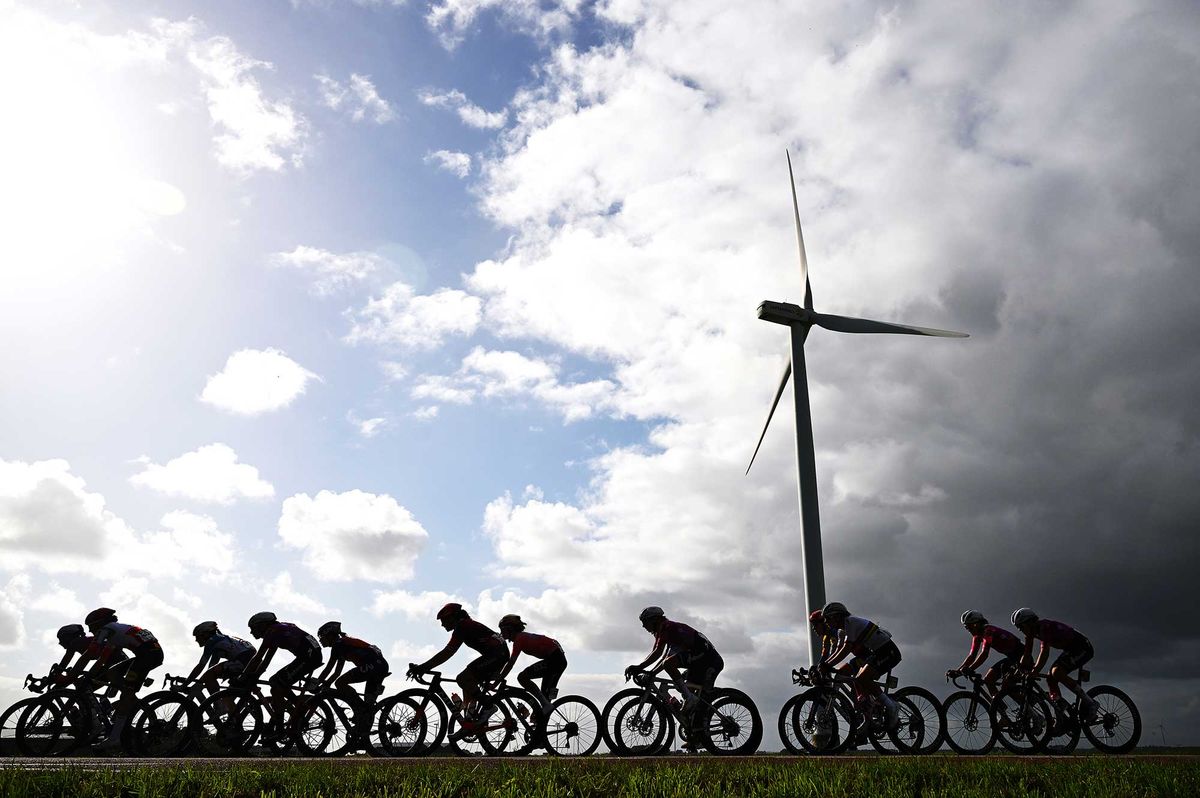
{"type": "Point", "coordinates": [538, 646]}
{"type": "Point", "coordinates": [88, 648]}
{"type": "Point", "coordinates": [292, 639]}
{"type": "Point", "coordinates": [863, 634]}
{"type": "Point", "coordinates": [1059, 635]}
{"type": "Point", "coordinates": [222, 646]}
{"type": "Point", "coordinates": [1000, 640]}
{"type": "Point", "coordinates": [123, 635]}
{"type": "Point", "coordinates": [681, 638]}
{"type": "Point", "coordinates": [479, 637]}
{"type": "Point", "coordinates": [355, 651]}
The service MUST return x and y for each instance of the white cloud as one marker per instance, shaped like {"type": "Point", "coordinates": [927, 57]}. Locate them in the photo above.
{"type": "Point", "coordinates": [12, 618]}
{"type": "Point", "coordinates": [359, 97]}
{"type": "Point", "coordinates": [425, 413]}
{"type": "Point", "coordinates": [59, 600]}
{"type": "Point", "coordinates": [353, 535]}
{"type": "Point", "coordinates": [393, 371]}
{"type": "Point", "coordinates": [331, 272]}
{"type": "Point", "coordinates": [457, 163]}
{"type": "Point", "coordinates": [508, 374]}
{"type": "Point", "coordinates": [452, 18]}
{"type": "Point", "coordinates": [212, 473]}
{"type": "Point", "coordinates": [367, 427]}
{"type": "Point", "coordinates": [403, 318]}
{"type": "Point", "coordinates": [470, 113]}
{"type": "Point", "coordinates": [421, 606]}
{"type": "Point", "coordinates": [284, 597]}
{"type": "Point", "coordinates": [256, 381]}
{"type": "Point", "coordinates": [188, 543]}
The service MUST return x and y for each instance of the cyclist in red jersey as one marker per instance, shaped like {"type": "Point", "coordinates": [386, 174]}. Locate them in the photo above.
{"type": "Point", "coordinates": [492, 650]}
{"type": "Point", "coordinates": [984, 639]}
{"type": "Point", "coordinates": [147, 655]}
{"type": "Point", "coordinates": [77, 642]}
{"type": "Point", "coordinates": [679, 645]}
{"type": "Point", "coordinates": [370, 666]}
{"type": "Point", "coordinates": [276, 634]}
{"type": "Point", "coordinates": [552, 661]}
{"type": "Point", "coordinates": [1076, 652]}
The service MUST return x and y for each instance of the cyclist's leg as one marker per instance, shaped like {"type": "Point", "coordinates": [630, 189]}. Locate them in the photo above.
{"type": "Point", "coordinates": [139, 666]}
{"type": "Point", "coordinates": [556, 667]}
{"type": "Point", "coordinates": [281, 687]}
{"type": "Point", "coordinates": [1062, 668]}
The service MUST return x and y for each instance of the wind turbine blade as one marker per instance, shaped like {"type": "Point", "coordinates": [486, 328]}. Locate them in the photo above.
{"type": "Point", "coordinates": [808, 304]}
{"type": "Point", "coordinates": [849, 324]}
{"type": "Point", "coordinates": [787, 372]}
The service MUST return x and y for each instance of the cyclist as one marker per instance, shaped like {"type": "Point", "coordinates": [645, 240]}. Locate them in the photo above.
{"type": "Point", "coordinates": [985, 638]}
{"type": "Point", "coordinates": [492, 650]}
{"type": "Point", "coordinates": [1076, 652]}
{"type": "Point", "coordinates": [147, 654]}
{"type": "Point", "coordinates": [227, 655]}
{"type": "Point", "coordinates": [551, 660]}
{"type": "Point", "coordinates": [878, 651]}
{"type": "Point", "coordinates": [276, 634]}
{"type": "Point", "coordinates": [76, 641]}
{"type": "Point", "coordinates": [679, 645]}
{"type": "Point", "coordinates": [370, 667]}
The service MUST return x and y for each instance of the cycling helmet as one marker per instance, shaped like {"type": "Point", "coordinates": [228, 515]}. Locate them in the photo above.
{"type": "Point", "coordinates": [330, 629]}
{"type": "Point", "coordinates": [816, 617]}
{"type": "Point", "coordinates": [513, 621]}
{"type": "Point", "coordinates": [260, 619]}
{"type": "Point", "coordinates": [99, 617]}
{"type": "Point", "coordinates": [834, 609]}
{"type": "Point", "coordinates": [451, 609]}
{"type": "Point", "coordinates": [205, 628]}
{"type": "Point", "coordinates": [650, 613]}
{"type": "Point", "coordinates": [972, 617]}
{"type": "Point", "coordinates": [71, 631]}
{"type": "Point", "coordinates": [1023, 615]}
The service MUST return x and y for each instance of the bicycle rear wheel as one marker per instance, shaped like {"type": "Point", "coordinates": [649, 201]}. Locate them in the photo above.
{"type": "Point", "coordinates": [733, 726]}
{"type": "Point", "coordinates": [161, 725]}
{"type": "Point", "coordinates": [969, 728]}
{"type": "Point", "coordinates": [823, 720]}
{"type": "Point", "coordinates": [930, 716]}
{"type": "Point", "coordinates": [1118, 725]}
{"type": "Point", "coordinates": [56, 724]}
{"type": "Point", "coordinates": [908, 735]}
{"type": "Point", "coordinates": [228, 722]}
{"type": "Point", "coordinates": [573, 727]}
{"type": "Point", "coordinates": [789, 734]}
{"type": "Point", "coordinates": [1023, 721]}
{"type": "Point", "coordinates": [315, 728]}
{"type": "Point", "coordinates": [8, 725]}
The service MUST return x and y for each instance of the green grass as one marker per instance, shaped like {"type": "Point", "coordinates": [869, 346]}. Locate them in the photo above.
{"type": "Point", "coordinates": [877, 778]}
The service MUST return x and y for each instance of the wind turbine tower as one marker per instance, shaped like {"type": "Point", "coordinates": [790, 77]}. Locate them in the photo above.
{"type": "Point", "coordinates": [799, 320]}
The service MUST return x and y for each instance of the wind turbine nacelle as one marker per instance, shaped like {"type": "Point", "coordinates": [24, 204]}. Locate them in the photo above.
{"type": "Point", "coordinates": [783, 313]}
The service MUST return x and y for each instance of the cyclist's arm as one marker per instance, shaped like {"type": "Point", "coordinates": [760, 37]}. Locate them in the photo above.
{"type": "Point", "coordinates": [333, 669]}
{"type": "Point", "coordinates": [200, 666]}
{"type": "Point", "coordinates": [840, 654]}
{"type": "Point", "coordinates": [977, 657]}
{"type": "Point", "coordinates": [440, 657]}
{"type": "Point", "coordinates": [258, 663]}
{"type": "Point", "coordinates": [1043, 655]}
{"type": "Point", "coordinates": [654, 655]}
{"type": "Point", "coordinates": [508, 666]}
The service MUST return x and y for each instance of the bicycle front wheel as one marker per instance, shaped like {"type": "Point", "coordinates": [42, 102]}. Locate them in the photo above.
{"type": "Point", "coordinates": [969, 728]}
{"type": "Point", "coordinates": [162, 725]}
{"type": "Point", "coordinates": [56, 724]}
{"type": "Point", "coordinates": [1023, 720]}
{"type": "Point", "coordinates": [732, 727]}
{"type": "Point", "coordinates": [573, 727]}
{"type": "Point", "coordinates": [402, 726]}
{"type": "Point", "coordinates": [8, 725]}
{"type": "Point", "coordinates": [229, 722]}
{"type": "Point", "coordinates": [823, 720]}
{"type": "Point", "coordinates": [642, 727]}
{"type": "Point", "coordinates": [1117, 727]}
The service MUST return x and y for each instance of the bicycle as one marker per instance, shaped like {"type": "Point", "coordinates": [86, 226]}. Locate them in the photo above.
{"type": "Point", "coordinates": [63, 718]}
{"type": "Point", "coordinates": [232, 720]}
{"type": "Point", "coordinates": [826, 718]}
{"type": "Point", "coordinates": [503, 723]}
{"type": "Point", "coordinates": [339, 721]}
{"type": "Point", "coordinates": [1115, 728]}
{"type": "Point", "coordinates": [642, 720]}
{"type": "Point", "coordinates": [970, 729]}
{"type": "Point", "coordinates": [161, 724]}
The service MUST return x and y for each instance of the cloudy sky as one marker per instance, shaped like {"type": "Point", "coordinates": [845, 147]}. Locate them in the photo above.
{"type": "Point", "coordinates": [342, 309]}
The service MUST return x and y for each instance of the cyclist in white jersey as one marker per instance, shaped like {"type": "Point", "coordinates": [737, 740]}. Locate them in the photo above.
{"type": "Point", "coordinates": [870, 642]}
{"type": "Point", "coordinates": [146, 653]}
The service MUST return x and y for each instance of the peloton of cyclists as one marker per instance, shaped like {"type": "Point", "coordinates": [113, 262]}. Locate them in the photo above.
{"type": "Point", "coordinates": [306, 652]}
{"type": "Point", "coordinates": [552, 661]}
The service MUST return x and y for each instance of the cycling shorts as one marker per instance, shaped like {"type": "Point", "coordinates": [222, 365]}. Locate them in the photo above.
{"type": "Point", "coordinates": [549, 670]}
{"type": "Point", "coordinates": [884, 658]}
{"type": "Point", "coordinates": [294, 671]}
{"type": "Point", "coordinates": [703, 669]}
{"type": "Point", "coordinates": [1075, 658]}
{"type": "Point", "coordinates": [1006, 665]}
{"type": "Point", "coordinates": [134, 670]}
{"type": "Point", "coordinates": [372, 672]}
{"type": "Point", "coordinates": [484, 669]}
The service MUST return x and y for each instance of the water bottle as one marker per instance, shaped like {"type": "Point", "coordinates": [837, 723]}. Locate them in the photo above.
{"type": "Point", "coordinates": [456, 700]}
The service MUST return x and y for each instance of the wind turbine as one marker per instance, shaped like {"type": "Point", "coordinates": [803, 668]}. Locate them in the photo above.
{"type": "Point", "coordinates": [799, 320]}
